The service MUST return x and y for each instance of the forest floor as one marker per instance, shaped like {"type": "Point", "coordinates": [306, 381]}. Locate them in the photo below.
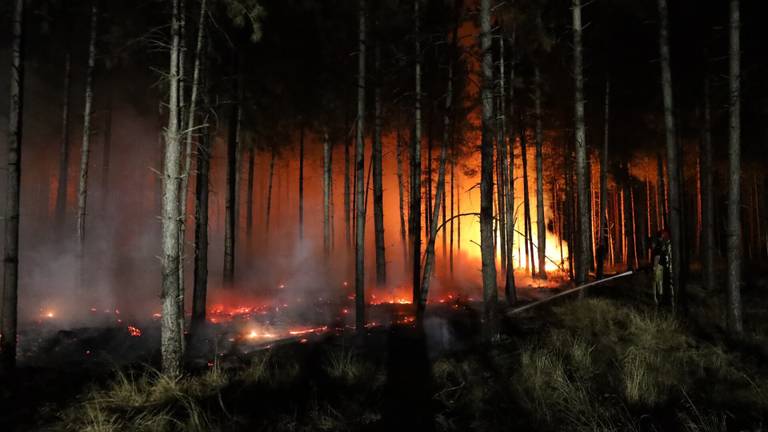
{"type": "Point", "coordinates": [608, 361]}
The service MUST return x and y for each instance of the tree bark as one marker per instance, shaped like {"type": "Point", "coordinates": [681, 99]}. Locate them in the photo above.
{"type": "Point", "coordinates": [359, 178]}
{"type": "Point", "coordinates": [734, 179]}
{"type": "Point", "coordinates": [675, 206]}
{"type": "Point", "coordinates": [200, 289]}
{"type": "Point", "coordinates": [9, 308]}
{"type": "Point", "coordinates": [486, 164]}
{"type": "Point", "coordinates": [603, 236]}
{"type": "Point", "coordinates": [429, 260]}
{"type": "Point", "coordinates": [301, 183]}
{"type": "Point", "coordinates": [249, 194]}
{"type": "Point", "coordinates": [501, 161]}
{"type": "Point", "coordinates": [707, 198]}
{"type": "Point", "coordinates": [541, 223]}
{"type": "Point", "coordinates": [378, 189]}
{"type": "Point", "coordinates": [401, 196]}
{"type": "Point", "coordinates": [85, 150]}
{"type": "Point", "coordinates": [230, 213]}
{"type": "Point", "coordinates": [583, 255]}
{"type": "Point", "coordinates": [171, 335]}
{"type": "Point", "coordinates": [269, 189]}
{"type": "Point", "coordinates": [415, 195]}
{"type": "Point", "coordinates": [61, 191]}
{"type": "Point", "coordinates": [327, 154]}
{"type": "Point", "coordinates": [528, 246]}
{"type": "Point", "coordinates": [510, 291]}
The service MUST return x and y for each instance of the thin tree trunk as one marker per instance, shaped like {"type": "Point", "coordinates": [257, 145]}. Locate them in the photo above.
{"type": "Point", "coordinates": [734, 179]}
{"type": "Point", "coordinates": [510, 291]}
{"type": "Point", "coordinates": [604, 184]}
{"type": "Point", "coordinates": [347, 195]}
{"type": "Point", "coordinates": [9, 308]}
{"type": "Point", "coordinates": [61, 192]}
{"type": "Point", "coordinates": [707, 198]}
{"type": "Point", "coordinates": [541, 225]}
{"type": "Point", "coordinates": [301, 183]}
{"type": "Point", "coordinates": [378, 189]}
{"type": "Point", "coordinates": [269, 189]}
{"type": "Point", "coordinates": [200, 288]}
{"type": "Point", "coordinates": [429, 259]}
{"type": "Point", "coordinates": [675, 206]}
{"type": "Point", "coordinates": [529, 252]}
{"type": "Point", "coordinates": [249, 194]}
{"type": "Point", "coordinates": [581, 150]}
{"type": "Point", "coordinates": [171, 335]}
{"type": "Point", "coordinates": [400, 196]}
{"type": "Point", "coordinates": [415, 195]}
{"type": "Point", "coordinates": [327, 154]}
{"type": "Point", "coordinates": [486, 164]}
{"type": "Point", "coordinates": [107, 147]}
{"type": "Point", "coordinates": [359, 179]}
{"type": "Point", "coordinates": [634, 226]}
{"type": "Point", "coordinates": [230, 211]}
{"type": "Point", "coordinates": [85, 151]}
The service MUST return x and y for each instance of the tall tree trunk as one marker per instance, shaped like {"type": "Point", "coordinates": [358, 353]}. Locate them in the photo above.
{"type": "Point", "coordinates": [301, 183]}
{"type": "Point", "coordinates": [327, 154]}
{"type": "Point", "coordinates": [707, 198]}
{"type": "Point", "coordinates": [501, 160]}
{"type": "Point", "coordinates": [486, 164]}
{"type": "Point", "coordinates": [429, 260]}
{"type": "Point", "coordinates": [378, 189]}
{"type": "Point", "coordinates": [269, 189]}
{"type": "Point", "coordinates": [541, 223]}
{"type": "Point", "coordinates": [529, 252]}
{"type": "Point", "coordinates": [510, 291]}
{"type": "Point", "coordinates": [347, 195]}
{"type": "Point", "coordinates": [415, 195]}
{"type": "Point", "coordinates": [400, 195]}
{"type": "Point", "coordinates": [200, 288]}
{"type": "Point", "coordinates": [230, 212]}
{"type": "Point", "coordinates": [673, 168]}
{"type": "Point", "coordinates": [61, 191]}
{"type": "Point", "coordinates": [734, 178]}
{"type": "Point", "coordinates": [249, 194]}
{"type": "Point", "coordinates": [85, 151]}
{"type": "Point", "coordinates": [106, 158]}
{"type": "Point", "coordinates": [583, 256]}
{"type": "Point", "coordinates": [9, 308]}
{"type": "Point", "coordinates": [359, 177]}
{"type": "Point", "coordinates": [171, 335]}
{"type": "Point", "coordinates": [603, 236]}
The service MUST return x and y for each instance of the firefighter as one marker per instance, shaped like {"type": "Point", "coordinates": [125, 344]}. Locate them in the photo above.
{"type": "Point", "coordinates": [662, 268]}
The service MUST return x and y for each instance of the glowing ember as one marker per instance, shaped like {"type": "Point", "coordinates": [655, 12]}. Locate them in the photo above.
{"type": "Point", "coordinates": [305, 331]}
{"type": "Point", "coordinates": [134, 331]}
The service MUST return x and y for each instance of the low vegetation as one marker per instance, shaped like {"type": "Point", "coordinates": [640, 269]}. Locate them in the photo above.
{"type": "Point", "coordinates": [590, 365]}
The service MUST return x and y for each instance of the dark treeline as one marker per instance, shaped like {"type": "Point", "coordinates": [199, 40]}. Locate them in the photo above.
{"type": "Point", "coordinates": [600, 124]}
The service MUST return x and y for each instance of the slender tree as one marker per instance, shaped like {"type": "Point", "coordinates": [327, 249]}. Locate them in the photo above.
{"type": "Point", "coordinates": [85, 150]}
{"type": "Point", "coordinates": [327, 191]}
{"type": "Point", "coordinates": [486, 163]}
{"type": "Point", "coordinates": [301, 182]}
{"type": "Point", "coordinates": [230, 213]}
{"type": "Point", "coordinates": [378, 188]}
{"type": "Point", "coordinates": [9, 307]}
{"type": "Point", "coordinates": [582, 207]}
{"type": "Point", "coordinates": [359, 179]}
{"type": "Point", "coordinates": [707, 198]}
{"type": "Point", "coordinates": [541, 223]}
{"type": "Point", "coordinates": [734, 178]}
{"type": "Point", "coordinates": [61, 191]}
{"type": "Point", "coordinates": [510, 291]}
{"type": "Point", "coordinates": [171, 335]}
{"type": "Point", "coordinates": [675, 204]}
{"type": "Point", "coordinates": [415, 195]}
{"type": "Point", "coordinates": [603, 232]}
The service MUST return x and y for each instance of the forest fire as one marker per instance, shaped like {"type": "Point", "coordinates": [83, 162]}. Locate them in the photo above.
{"type": "Point", "coordinates": [393, 215]}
